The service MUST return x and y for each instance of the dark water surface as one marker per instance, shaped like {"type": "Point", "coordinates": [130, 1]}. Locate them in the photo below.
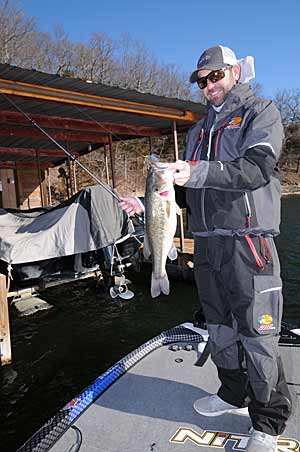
{"type": "Point", "coordinates": [57, 353]}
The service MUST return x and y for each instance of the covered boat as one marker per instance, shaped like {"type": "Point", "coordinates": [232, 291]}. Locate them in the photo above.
{"type": "Point", "coordinates": [75, 236]}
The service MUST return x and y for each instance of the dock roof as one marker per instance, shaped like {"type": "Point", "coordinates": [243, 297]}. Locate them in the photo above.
{"type": "Point", "coordinates": [78, 114]}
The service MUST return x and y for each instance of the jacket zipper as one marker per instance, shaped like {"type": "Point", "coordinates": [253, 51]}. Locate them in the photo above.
{"type": "Point", "coordinates": [194, 156]}
{"type": "Point", "coordinates": [210, 141]}
{"type": "Point", "coordinates": [202, 208]}
{"type": "Point", "coordinates": [203, 189]}
{"type": "Point", "coordinates": [247, 236]}
{"type": "Point", "coordinates": [248, 209]}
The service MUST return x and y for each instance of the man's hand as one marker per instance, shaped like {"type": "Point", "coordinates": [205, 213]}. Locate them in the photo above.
{"type": "Point", "coordinates": [181, 172]}
{"type": "Point", "coordinates": [131, 205]}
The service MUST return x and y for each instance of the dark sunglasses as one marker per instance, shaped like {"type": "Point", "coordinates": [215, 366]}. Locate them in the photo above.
{"type": "Point", "coordinates": [213, 77]}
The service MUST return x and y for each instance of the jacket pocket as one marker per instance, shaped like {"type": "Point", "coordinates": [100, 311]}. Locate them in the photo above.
{"type": "Point", "coordinates": [267, 307]}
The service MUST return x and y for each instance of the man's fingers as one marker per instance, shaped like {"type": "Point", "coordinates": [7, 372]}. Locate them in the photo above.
{"type": "Point", "coordinates": [130, 205]}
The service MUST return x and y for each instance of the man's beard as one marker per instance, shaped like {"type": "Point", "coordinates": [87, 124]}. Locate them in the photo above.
{"type": "Point", "coordinates": [217, 96]}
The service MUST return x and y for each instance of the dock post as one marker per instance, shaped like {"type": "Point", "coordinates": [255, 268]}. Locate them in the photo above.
{"type": "Point", "coordinates": [112, 160]}
{"type": "Point", "coordinates": [106, 164]}
{"type": "Point", "coordinates": [5, 346]}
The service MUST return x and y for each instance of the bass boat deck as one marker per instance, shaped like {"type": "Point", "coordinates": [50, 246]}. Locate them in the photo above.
{"type": "Point", "coordinates": [144, 403]}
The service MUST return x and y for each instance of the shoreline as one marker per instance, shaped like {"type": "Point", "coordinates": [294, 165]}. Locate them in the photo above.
{"type": "Point", "coordinates": [290, 192]}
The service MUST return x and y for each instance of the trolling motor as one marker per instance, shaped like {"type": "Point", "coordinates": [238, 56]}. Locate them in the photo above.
{"type": "Point", "coordinates": [121, 290]}
{"type": "Point", "coordinates": [113, 265]}
{"type": "Point", "coordinates": [123, 254]}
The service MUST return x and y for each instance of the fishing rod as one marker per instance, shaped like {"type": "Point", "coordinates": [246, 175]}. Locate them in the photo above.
{"type": "Point", "coordinates": [100, 125]}
{"type": "Point", "coordinates": [69, 154]}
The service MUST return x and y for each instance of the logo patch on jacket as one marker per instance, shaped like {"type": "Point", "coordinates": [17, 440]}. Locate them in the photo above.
{"type": "Point", "coordinates": [266, 322]}
{"type": "Point", "coordinates": [234, 123]}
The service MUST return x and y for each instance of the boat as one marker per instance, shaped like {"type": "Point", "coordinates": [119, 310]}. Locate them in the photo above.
{"type": "Point", "coordinates": [144, 402]}
{"type": "Point", "coordinates": [89, 232]}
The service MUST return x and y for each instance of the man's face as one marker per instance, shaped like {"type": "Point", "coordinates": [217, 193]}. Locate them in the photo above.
{"type": "Point", "coordinates": [217, 92]}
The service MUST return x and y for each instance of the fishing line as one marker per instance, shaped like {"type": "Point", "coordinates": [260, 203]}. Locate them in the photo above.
{"type": "Point", "coordinates": [71, 156]}
{"type": "Point", "coordinates": [89, 116]}
{"type": "Point", "coordinates": [74, 159]}
{"type": "Point", "coordinates": [120, 140]}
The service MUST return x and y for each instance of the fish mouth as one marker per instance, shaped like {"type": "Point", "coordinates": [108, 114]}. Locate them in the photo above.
{"type": "Point", "coordinates": [164, 194]}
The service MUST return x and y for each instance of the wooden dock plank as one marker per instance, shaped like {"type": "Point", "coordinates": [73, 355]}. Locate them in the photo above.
{"type": "Point", "coordinates": [5, 346]}
{"type": "Point", "coordinates": [188, 245]}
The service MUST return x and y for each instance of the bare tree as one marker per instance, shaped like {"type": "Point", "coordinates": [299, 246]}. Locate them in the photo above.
{"type": "Point", "coordinates": [81, 61]}
{"type": "Point", "coordinates": [257, 88]}
{"type": "Point", "coordinates": [125, 63]}
{"type": "Point", "coordinates": [173, 83]}
{"type": "Point", "coordinates": [102, 51]}
{"type": "Point", "coordinates": [41, 49]}
{"type": "Point", "coordinates": [95, 61]}
{"type": "Point", "coordinates": [61, 53]}
{"type": "Point", "coordinates": [15, 28]}
{"type": "Point", "coordinates": [135, 66]}
{"type": "Point", "coordinates": [288, 103]}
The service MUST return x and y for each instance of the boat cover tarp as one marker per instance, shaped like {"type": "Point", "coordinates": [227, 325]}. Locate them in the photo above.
{"type": "Point", "coordinates": [90, 220]}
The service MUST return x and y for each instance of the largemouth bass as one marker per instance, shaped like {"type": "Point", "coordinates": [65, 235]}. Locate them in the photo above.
{"type": "Point", "coordinates": [161, 221]}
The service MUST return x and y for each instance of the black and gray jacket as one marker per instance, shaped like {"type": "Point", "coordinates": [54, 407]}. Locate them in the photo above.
{"type": "Point", "coordinates": [234, 188]}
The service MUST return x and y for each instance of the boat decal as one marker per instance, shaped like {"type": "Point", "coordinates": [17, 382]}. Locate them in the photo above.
{"type": "Point", "coordinates": [71, 404]}
{"type": "Point", "coordinates": [209, 438]}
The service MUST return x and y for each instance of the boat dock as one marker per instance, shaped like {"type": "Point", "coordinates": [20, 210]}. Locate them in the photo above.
{"type": "Point", "coordinates": [188, 245]}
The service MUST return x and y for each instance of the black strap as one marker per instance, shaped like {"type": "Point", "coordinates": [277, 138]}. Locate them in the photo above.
{"type": "Point", "coordinates": [204, 355]}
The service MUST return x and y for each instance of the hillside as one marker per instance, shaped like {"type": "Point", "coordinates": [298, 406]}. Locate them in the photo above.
{"type": "Point", "coordinates": [290, 181]}
{"type": "Point", "coordinates": [131, 168]}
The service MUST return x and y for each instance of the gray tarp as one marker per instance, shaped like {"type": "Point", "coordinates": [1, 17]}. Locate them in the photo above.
{"type": "Point", "coordinates": [90, 220]}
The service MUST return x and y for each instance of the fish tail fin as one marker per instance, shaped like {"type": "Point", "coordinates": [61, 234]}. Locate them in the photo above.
{"type": "Point", "coordinates": [159, 285]}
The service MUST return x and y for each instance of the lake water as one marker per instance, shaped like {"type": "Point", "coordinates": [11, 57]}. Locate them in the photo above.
{"type": "Point", "coordinates": [57, 353]}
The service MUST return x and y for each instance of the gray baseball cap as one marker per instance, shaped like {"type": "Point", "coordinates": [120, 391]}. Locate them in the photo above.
{"type": "Point", "coordinates": [214, 58]}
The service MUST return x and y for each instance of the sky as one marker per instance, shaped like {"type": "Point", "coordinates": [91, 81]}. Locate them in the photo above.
{"type": "Point", "coordinates": [177, 32]}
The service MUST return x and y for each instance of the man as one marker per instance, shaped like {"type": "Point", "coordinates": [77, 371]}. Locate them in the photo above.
{"type": "Point", "coordinates": [232, 194]}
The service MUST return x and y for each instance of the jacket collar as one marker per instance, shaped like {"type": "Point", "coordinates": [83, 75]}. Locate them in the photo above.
{"type": "Point", "coordinates": [238, 96]}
